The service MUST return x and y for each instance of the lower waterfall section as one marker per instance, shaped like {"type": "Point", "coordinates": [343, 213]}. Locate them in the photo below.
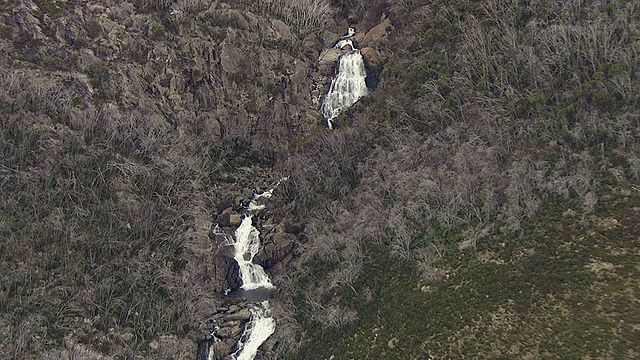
{"type": "Point", "coordinates": [256, 285]}
{"type": "Point", "coordinates": [246, 247]}
{"type": "Point", "coordinates": [258, 330]}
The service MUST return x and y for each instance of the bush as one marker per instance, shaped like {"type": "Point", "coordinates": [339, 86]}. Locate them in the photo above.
{"type": "Point", "coordinates": [306, 16]}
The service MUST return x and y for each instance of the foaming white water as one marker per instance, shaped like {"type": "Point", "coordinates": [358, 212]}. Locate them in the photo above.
{"type": "Point", "coordinates": [254, 280]}
{"type": "Point", "coordinates": [258, 331]}
{"type": "Point", "coordinates": [350, 32]}
{"type": "Point", "coordinates": [253, 204]}
{"type": "Point", "coordinates": [342, 43]}
{"type": "Point", "coordinates": [348, 86]}
{"type": "Point", "coordinates": [261, 325]}
{"type": "Point", "coordinates": [246, 247]}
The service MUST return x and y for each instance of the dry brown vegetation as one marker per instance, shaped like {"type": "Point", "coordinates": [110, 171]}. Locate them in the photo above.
{"type": "Point", "coordinates": [95, 224]}
{"type": "Point", "coordinates": [486, 111]}
{"type": "Point", "coordinates": [111, 170]}
{"type": "Point", "coordinates": [307, 16]}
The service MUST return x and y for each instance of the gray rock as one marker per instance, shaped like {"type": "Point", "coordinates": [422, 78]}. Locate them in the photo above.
{"type": "Point", "coordinates": [231, 58]}
{"type": "Point", "coordinates": [243, 314]}
{"type": "Point", "coordinates": [225, 272]}
{"type": "Point", "coordinates": [327, 61]}
{"type": "Point", "coordinates": [281, 31]}
{"type": "Point", "coordinates": [378, 35]}
{"type": "Point", "coordinates": [222, 349]}
{"type": "Point", "coordinates": [312, 45]}
{"type": "Point", "coordinates": [229, 217]}
{"type": "Point", "coordinates": [235, 219]}
{"type": "Point", "coordinates": [329, 56]}
{"type": "Point", "coordinates": [247, 193]}
{"type": "Point", "coordinates": [372, 57]}
{"type": "Point", "coordinates": [275, 248]}
{"type": "Point", "coordinates": [232, 331]}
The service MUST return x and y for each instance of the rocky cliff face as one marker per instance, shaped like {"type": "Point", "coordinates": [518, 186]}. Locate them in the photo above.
{"type": "Point", "coordinates": [233, 73]}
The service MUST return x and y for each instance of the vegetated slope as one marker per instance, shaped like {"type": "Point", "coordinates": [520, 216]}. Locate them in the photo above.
{"type": "Point", "coordinates": [434, 215]}
{"type": "Point", "coordinates": [125, 127]}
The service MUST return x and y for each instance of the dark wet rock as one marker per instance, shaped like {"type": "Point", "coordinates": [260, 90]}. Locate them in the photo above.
{"type": "Point", "coordinates": [275, 248]}
{"type": "Point", "coordinates": [203, 349]}
{"type": "Point", "coordinates": [243, 314]}
{"type": "Point", "coordinates": [225, 269]}
{"type": "Point", "coordinates": [224, 348]}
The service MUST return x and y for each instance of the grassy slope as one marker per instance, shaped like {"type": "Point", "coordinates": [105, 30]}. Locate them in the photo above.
{"type": "Point", "coordinates": [485, 117]}
{"type": "Point", "coordinates": [567, 288]}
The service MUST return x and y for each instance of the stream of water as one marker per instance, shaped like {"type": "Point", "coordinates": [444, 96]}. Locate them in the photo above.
{"type": "Point", "coordinates": [349, 85]}
{"type": "Point", "coordinates": [346, 88]}
{"type": "Point", "coordinates": [256, 285]}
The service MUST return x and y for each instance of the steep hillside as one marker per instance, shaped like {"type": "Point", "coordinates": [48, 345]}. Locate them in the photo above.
{"type": "Point", "coordinates": [127, 128]}
{"type": "Point", "coordinates": [425, 236]}
{"type": "Point", "coordinates": [480, 202]}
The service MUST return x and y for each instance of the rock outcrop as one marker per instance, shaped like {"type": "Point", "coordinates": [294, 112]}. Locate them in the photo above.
{"type": "Point", "coordinates": [378, 35]}
{"type": "Point", "coordinates": [230, 321]}
{"type": "Point", "coordinates": [372, 58]}
{"type": "Point", "coordinates": [276, 248]}
{"type": "Point", "coordinates": [225, 268]}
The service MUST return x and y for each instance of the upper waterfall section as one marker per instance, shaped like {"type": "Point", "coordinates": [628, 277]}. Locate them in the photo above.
{"type": "Point", "coordinates": [349, 84]}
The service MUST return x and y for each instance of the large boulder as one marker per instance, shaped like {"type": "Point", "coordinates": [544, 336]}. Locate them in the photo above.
{"type": "Point", "coordinates": [312, 45]}
{"type": "Point", "coordinates": [275, 248]}
{"type": "Point", "coordinates": [372, 58]}
{"type": "Point", "coordinates": [378, 35]}
{"type": "Point", "coordinates": [232, 58]}
{"type": "Point", "coordinates": [329, 57]}
{"type": "Point", "coordinates": [229, 217]}
{"type": "Point", "coordinates": [242, 315]}
{"type": "Point", "coordinates": [222, 349]}
{"type": "Point", "coordinates": [280, 31]}
{"type": "Point", "coordinates": [226, 273]}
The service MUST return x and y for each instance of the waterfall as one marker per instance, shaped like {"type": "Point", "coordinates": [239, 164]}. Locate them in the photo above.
{"type": "Point", "coordinates": [258, 330]}
{"type": "Point", "coordinates": [349, 84]}
{"type": "Point", "coordinates": [246, 247]}
{"type": "Point", "coordinates": [256, 284]}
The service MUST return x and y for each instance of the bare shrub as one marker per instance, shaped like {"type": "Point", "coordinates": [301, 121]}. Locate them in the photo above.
{"type": "Point", "coordinates": [73, 352]}
{"type": "Point", "coordinates": [305, 15]}
{"type": "Point", "coordinates": [192, 7]}
{"type": "Point", "coordinates": [336, 316]}
{"type": "Point", "coordinates": [634, 164]}
{"type": "Point", "coordinates": [426, 259]}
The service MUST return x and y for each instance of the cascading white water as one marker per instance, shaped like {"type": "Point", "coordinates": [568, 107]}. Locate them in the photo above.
{"type": "Point", "coordinates": [254, 279]}
{"type": "Point", "coordinates": [261, 324]}
{"type": "Point", "coordinates": [349, 85]}
{"type": "Point", "coordinates": [258, 331]}
{"type": "Point", "coordinates": [253, 204]}
{"type": "Point", "coordinates": [246, 247]}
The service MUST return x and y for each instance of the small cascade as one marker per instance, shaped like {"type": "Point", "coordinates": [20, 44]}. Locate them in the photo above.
{"type": "Point", "coordinates": [258, 331]}
{"type": "Point", "coordinates": [349, 85]}
{"type": "Point", "coordinates": [253, 204]}
{"type": "Point", "coordinates": [246, 247]}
